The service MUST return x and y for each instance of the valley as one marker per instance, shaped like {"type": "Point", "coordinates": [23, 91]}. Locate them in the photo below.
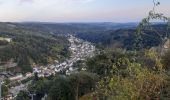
{"type": "Point", "coordinates": [80, 50]}
{"type": "Point", "coordinates": [84, 50]}
{"type": "Point", "coordinates": [36, 60]}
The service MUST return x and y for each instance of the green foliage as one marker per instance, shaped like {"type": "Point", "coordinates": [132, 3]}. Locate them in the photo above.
{"type": "Point", "coordinates": [129, 39]}
{"type": "Point", "coordinates": [27, 49]}
{"type": "Point", "coordinates": [101, 64]}
{"type": "Point", "coordinates": [23, 95]}
{"type": "Point", "coordinates": [64, 87]}
{"type": "Point", "coordinates": [82, 83]}
{"type": "Point", "coordinates": [133, 82]}
{"type": "Point", "coordinates": [4, 90]}
{"type": "Point", "coordinates": [166, 60]}
{"type": "Point", "coordinates": [79, 64]}
{"type": "Point", "coordinates": [36, 78]}
{"type": "Point", "coordinates": [40, 88]}
{"type": "Point", "coordinates": [61, 90]}
{"type": "Point", "coordinates": [146, 24]}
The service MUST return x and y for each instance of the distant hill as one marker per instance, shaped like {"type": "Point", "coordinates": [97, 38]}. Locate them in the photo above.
{"type": "Point", "coordinates": [75, 28]}
{"type": "Point", "coordinates": [125, 37]}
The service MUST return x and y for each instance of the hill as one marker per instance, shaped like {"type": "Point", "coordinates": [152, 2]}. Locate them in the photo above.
{"type": "Point", "coordinates": [125, 38]}
{"type": "Point", "coordinates": [28, 47]}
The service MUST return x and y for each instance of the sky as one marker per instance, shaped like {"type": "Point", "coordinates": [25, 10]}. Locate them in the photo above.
{"type": "Point", "coordinates": [78, 10]}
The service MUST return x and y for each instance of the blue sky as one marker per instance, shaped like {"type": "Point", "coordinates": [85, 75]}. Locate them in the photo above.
{"type": "Point", "coordinates": [78, 10]}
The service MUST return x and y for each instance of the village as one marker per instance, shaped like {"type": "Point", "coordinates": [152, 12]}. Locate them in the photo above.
{"type": "Point", "coordinates": [80, 50]}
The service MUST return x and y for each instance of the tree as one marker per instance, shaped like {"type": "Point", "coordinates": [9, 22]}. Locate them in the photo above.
{"type": "Point", "coordinates": [61, 89]}
{"type": "Point", "coordinates": [4, 90]}
{"type": "Point", "coordinates": [166, 60]}
{"type": "Point", "coordinates": [40, 88]}
{"type": "Point", "coordinates": [36, 76]}
{"type": "Point", "coordinates": [139, 83]}
{"type": "Point", "coordinates": [23, 95]}
{"type": "Point", "coordinates": [146, 24]}
{"type": "Point", "coordinates": [82, 83]}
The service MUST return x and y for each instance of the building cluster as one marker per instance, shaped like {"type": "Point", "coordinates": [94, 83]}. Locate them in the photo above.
{"type": "Point", "coordinates": [13, 78]}
{"type": "Point", "coordinates": [80, 50]}
{"type": "Point", "coordinates": [14, 90]}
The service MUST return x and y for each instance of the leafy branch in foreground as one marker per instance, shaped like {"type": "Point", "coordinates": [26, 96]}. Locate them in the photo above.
{"type": "Point", "coordinates": [147, 24]}
{"type": "Point", "coordinates": [134, 82]}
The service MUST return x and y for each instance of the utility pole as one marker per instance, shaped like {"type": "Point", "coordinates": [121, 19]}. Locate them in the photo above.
{"type": "Point", "coordinates": [0, 88]}
{"type": "Point", "coordinates": [1, 78]}
{"type": "Point", "coordinates": [32, 94]}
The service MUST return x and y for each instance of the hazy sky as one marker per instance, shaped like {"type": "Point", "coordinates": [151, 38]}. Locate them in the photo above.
{"type": "Point", "coordinates": [78, 10]}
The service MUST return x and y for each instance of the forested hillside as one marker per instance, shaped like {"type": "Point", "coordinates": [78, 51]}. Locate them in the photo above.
{"type": "Point", "coordinates": [125, 38]}
{"type": "Point", "coordinates": [29, 47]}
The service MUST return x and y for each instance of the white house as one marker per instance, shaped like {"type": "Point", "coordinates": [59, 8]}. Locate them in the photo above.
{"type": "Point", "coordinates": [5, 39]}
{"type": "Point", "coordinates": [29, 74]}
{"type": "Point", "coordinates": [17, 77]}
{"type": "Point", "coordinates": [41, 75]}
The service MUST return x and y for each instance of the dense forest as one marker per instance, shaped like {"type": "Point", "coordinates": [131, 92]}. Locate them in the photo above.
{"type": "Point", "coordinates": [125, 38]}
{"type": "Point", "coordinates": [31, 47]}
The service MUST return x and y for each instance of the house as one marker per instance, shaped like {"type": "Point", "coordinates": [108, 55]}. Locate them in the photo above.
{"type": "Point", "coordinates": [40, 75]}
{"type": "Point", "coordinates": [36, 70]}
{"type": "Point", "coordinates": [8, 97]}
{"type": "Point", "coordinates": [52, 67]}
{"type": "Point", "coordinates": [17, 77]}
{"type": "Point", "coordinates": [29, 74]}
{"type": "Point", "coordinates": [56, 61]}
{"type": "Point", "coordinates": [71, 69]}
{"type": "Point", "coordinates": [67, 72]}
{"type": "Point", "coordinates": [83, 69]}
{"type": "Point", "coordinates": [5, 39]}
{"type": "Point", "coordinates": [57, 69]}
{"type": "Point", "coordinates": [47, 74]}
